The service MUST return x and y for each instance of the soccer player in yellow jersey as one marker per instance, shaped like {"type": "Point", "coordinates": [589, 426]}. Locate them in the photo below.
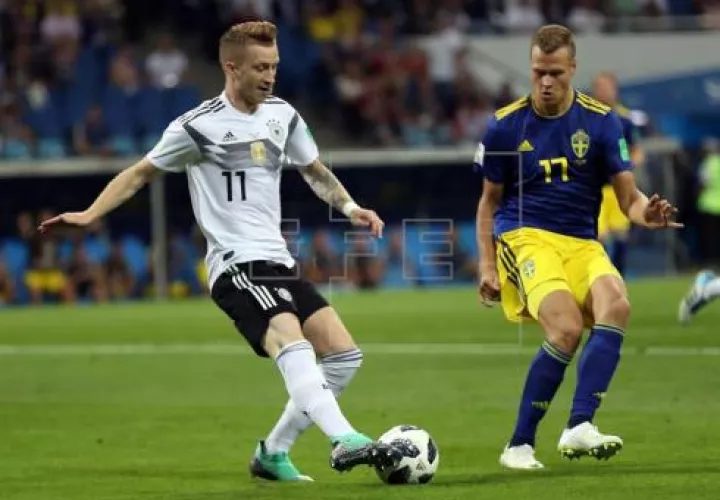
{"type": "Point", "coordinates": [613, 226]}
{"type": "Point", "coordinates": [545, 159]}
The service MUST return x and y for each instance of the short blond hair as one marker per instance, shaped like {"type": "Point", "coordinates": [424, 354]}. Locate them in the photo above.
{"type": "Point", "coordinates": [241, 35]}
{"type": "Point", "coordinates": [552, 37]}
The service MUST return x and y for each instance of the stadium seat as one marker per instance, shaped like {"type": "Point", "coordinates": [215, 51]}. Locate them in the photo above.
{"type": "Point", "coordinates": [42, 114]}
{"type": "Point", "coordinates": [135, 252]}
{"type": "Point", "coordinates": [13, 149]}
{"type": "Point", "coordinates": [117, 108]}
{"type": "Point", "coordinates": [16, 256]}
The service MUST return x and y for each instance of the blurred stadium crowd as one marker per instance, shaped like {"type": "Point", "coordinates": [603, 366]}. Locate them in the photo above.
{"type": "Point", "coordinates": [104, 77]}
{"type": "Point", "coordinates": [73, 266]}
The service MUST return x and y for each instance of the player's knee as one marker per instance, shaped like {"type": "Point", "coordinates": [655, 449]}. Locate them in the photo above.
{"type": "Point", "coordinates": [284, 329]}
{"type": "Point", "coordinates": [615, 310]}
{"type": "Point", "coordinates": [566, 334]}
{"type": "Point", "coordinates": [564, 329]}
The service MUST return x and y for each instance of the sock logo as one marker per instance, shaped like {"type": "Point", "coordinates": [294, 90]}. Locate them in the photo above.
{"type": "Point", "coordinates": [541, 405]}
{"type": "Point", "coordinates": [600, 395]}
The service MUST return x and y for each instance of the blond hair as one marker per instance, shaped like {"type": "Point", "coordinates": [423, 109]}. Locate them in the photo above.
{"type": "Point", "coordinates": [552, 37]}
{"type": "Point", "coordinates": [239, 36]}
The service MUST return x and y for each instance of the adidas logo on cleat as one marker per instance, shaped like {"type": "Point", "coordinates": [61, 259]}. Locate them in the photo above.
{"type": "Point", "coordinates": [229, 137]}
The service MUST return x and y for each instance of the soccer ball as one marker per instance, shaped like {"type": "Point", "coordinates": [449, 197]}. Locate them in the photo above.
{"type": "Point", "coordinates": [411, 470]}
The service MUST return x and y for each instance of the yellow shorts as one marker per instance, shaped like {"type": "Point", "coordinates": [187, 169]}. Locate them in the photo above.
{"type": "Point", "coordinates": [46, 280]}
{"type": "Point", "coordinates": [611, 218]}
{"type": "Point", "coordinates": [533, 263]}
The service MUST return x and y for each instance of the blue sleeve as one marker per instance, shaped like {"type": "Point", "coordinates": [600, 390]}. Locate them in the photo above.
{"type": "Point", "coordinates": [487, 161]}
{"type": "Point", "coordinates": [616, 151]}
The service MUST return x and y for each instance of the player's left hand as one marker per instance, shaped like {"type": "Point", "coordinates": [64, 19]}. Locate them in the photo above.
{"type": "Point", "coordinates": [659, 212]}
{"type": "Point", "coordinates": [367, 218]}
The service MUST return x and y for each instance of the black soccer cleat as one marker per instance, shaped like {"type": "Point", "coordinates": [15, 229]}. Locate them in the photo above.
{"type": "Point", "coordinates": [348, 454]}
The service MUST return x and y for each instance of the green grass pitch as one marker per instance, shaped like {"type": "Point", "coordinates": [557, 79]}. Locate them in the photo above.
{"type": "Point", "coordinates": [163, 401]}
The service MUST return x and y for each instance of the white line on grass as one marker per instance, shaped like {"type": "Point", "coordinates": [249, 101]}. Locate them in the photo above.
{"type": "Point", "coordinates": [372, 348]}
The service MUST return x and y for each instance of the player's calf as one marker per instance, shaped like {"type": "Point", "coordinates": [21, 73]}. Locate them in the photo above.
{"type": "Point", "coordinates": [601, 354]}
{"type": "Point", "coordinates": [560, 317]}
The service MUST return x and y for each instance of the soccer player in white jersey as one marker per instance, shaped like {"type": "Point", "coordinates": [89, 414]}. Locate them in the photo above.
{"type": "Point", "coordinates": [233, 148]}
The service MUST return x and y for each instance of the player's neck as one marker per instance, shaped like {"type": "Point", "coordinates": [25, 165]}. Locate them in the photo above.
{"type": "Point", "coordinates": [554, 111]}
{"type": "Point", "coordinates": [239, 103]}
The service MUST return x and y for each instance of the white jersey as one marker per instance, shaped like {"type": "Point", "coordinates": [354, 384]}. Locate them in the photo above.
{"type": "Point", "coordinates": [233, 162]}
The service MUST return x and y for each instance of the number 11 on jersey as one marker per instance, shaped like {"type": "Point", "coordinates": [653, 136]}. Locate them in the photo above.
{"type": "Point", "coordinates": [229, 183]}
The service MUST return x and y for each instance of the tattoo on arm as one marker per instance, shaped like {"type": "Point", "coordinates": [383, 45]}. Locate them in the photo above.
{"type": "Point", "coordinates": [325, 185]}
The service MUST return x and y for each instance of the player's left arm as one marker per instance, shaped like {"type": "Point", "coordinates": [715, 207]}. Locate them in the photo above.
{"type": "Point", "coordinates": [303, 151]}
{"type": "Point", "coordinates": [653, 212]}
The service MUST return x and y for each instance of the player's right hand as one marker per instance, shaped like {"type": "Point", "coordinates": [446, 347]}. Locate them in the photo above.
{"type": "Point", "coordinates": [368, 218]}
{"type": "Point", "coordinates": [80, 219]}
{"type": "Point", "coordinates": [489, 284]}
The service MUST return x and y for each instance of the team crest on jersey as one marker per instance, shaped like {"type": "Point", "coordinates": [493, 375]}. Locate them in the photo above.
{"type": "Point", "coordinates": [284, 294]}
{"type": "Point", "coordinates": [580, 142]}
{"type": "Point", "coordinates": [528, 269]}
{"type": "Point", "coordinates": [276, 130]}
{"type": "Point", "coordinates": [257, 152]}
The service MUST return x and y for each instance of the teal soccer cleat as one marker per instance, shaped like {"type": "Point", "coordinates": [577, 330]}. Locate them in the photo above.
{"type": "Point", "coordinates": [274, 466]}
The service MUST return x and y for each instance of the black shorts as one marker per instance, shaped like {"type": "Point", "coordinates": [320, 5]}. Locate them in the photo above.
{"type": "Point", "coordinates": [252, 293]}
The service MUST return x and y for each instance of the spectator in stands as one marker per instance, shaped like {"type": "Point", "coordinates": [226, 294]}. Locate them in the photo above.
{"type": "Point", "coordinates": [86, 279]}
{"type": "Point", "coordinates": [365, 269]}
{"type": "Point", "coordinates": [167, 64]}
{"type": "Point", "coordinates": [120, 282]}
{"type": "Point", "coordinates": [7, 286]}
{"type": "Point", "coordinates": [585, 17]}
{"type": "Point", "coordinates": [455, 13]}
{"type": "Point", "coordinates": [522, 16]}
{"type": "Point", "coordinates": [322, 262]}
{"type": "Point", "coordinates": [442, 48]}
{"type": "Point", "coordinates": [44, 278]}
{"type": "Point", "coordinates": [321, 24]}
{"type": "Point", "coordinates": [15, 136]}
{"type": "Point", "coordinates": [65, 55]}
{"type": "Point", "coordinates": [349, 22]}
{"type": "Point", "coordinates": [350, 86]}
{"type": "Point", "coordinates": [100, 21]}
{"type": "Point", "coordinates": [471, 119]}
{"type": "Point", "coordinates": [61, 21]}
{"type": "Point", "coordinates": [118, 103]}
{"type": "Point", "coordinates": [92, 136]}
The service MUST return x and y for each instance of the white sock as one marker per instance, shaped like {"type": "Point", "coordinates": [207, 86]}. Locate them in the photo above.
{"type": "Point", "coordinates": [309, 393]}
{"type": "Point", "coordinates": [338, 369]}
{"type": "Point", "coordinates": [712, 289]}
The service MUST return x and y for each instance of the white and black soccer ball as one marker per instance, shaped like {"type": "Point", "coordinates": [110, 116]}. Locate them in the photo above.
{"type": "Point", "coordinates": [411, 470]}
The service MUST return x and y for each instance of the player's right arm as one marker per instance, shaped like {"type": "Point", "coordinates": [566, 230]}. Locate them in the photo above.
{"type": "Point", "coordinates": [174, 151]}
{"type": "Point", "coordinates": [492, 166]}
